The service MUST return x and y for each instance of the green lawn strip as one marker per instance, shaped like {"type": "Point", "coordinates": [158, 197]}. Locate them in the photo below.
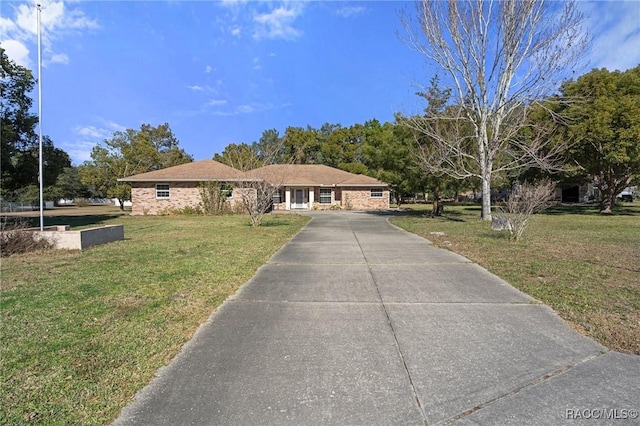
{"type": "Point", "coordinates": [83, 331]}
{"type": "Point", "coordinates": [582, 264]}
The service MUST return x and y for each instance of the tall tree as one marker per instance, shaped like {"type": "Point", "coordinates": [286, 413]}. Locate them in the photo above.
{"type": "Point", "coordinates": [25, 164]}
{"type": "Point", "coordinates": [301, 144]}
{"type": "Point", "coordinates": [128, 153]}
{"type": "Point", "coordinates": [603, 122]}
{"type": "Point", "coordinates": [499, 57]}
{"type": "Point", "coordinates": [18, 123]}
{"type": "Point", "coordinates": [387, 154]}
{"type": "Point", "coordinates": [270, 147]}
{"type": "Point", "coordinates": [239, 156]}
{"type": "Point", "coordinates": [68, 186]}
{"type": "Point", "coordinates": [19, 153]}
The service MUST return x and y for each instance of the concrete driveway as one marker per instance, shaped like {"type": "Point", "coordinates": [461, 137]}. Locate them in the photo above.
{"type": "Point", "coordinates": [356, 322]}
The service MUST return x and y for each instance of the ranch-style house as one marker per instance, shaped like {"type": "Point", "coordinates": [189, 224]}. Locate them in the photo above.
{"type": "Point", "coordinates": [299, 187]}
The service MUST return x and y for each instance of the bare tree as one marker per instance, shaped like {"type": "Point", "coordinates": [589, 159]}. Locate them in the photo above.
{"type": "Point", "coordinates": [263, 182]}
{"type": "Point", "coordinates": [525, 200]}
{"type": "Point", "coordinates": [500, 58]}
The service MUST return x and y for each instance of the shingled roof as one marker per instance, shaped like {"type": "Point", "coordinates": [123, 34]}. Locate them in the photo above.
{"type": "Point", "coordinates": [197, 171]}
{"type": "Point", "coordinates": [275, 174]}
{"type": "Point", "coordinates": [311, 174]}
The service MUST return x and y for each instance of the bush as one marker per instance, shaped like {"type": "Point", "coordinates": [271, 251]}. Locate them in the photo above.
{"type": "Point", "coordinates": [16, 239]}
{"type": "Point", "coordinates": [81, 202]}
{"type": "Point", "coordinates": [214, 197]}
{"type": "Point", "coordinates": [523, 201]}
{"type": "Point", "coordinates": [188, 211]}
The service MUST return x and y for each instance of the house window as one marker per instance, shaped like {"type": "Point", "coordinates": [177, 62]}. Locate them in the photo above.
{"type": "Point", "coordinates": [376, 192]}
{"type": "Point", "coordinates": [162, 191]}
{"type": "Point", "coordinates": [277, 197]}
{"type": "Point", "coordinates": [226, 190]}
{"type": "Point", "coordinates": [325, 195]}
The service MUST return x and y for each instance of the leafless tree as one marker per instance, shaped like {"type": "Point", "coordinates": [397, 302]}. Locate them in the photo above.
{"type": "Point", "coordinates": [263, 182]}
{"type": "Point", "coordinates": [500, 57]}
{"type": "Point", "coordinates": [523, 201]}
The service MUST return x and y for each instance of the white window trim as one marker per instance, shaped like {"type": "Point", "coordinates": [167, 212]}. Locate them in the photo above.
{"type": "Point", "coordinates": [168, 191]}
{"type": "Point", "coordinates": [320, 195]}
{"type": "Point", "coordinates": [377, 189]}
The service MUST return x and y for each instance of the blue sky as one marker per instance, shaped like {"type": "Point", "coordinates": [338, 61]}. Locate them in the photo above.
{"type": "Point", "coordinates": [225, 71]}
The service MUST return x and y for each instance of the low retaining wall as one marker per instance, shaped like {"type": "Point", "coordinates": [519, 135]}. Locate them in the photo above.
{"type": "Point", "coordinates": [63, 238]}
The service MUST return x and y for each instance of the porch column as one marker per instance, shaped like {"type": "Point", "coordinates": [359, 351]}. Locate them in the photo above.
{"type": "Point", "coordinates": [311, 198]}
{"type": "Point", "coordinates": [287, 199]}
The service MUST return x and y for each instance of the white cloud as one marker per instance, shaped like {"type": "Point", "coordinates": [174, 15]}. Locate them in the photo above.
{"type": "Point", "coordinates": [232, 3]}
{"type": "Point", "coordinates": [349, 11]}
{"type": "Point", "coordinates": [6, 25]}
{"type": "Point", "coordinates": [278, 24]}
{"type": "Point", "coordinates": [17, 52]}
{"type": "Point", "coordinates": [92, 132]}
{"type": "Point", "coordinates": [88, 136]}
{"type": "Point", "coordinates": [256, 64]}
{"type": "Point", "coordinates": [208, 69]}
{"type": "Point", "coordinates": [245, 109]}
{"type": "Point", "coordinates": [57, 58]}
{"type": "Point", "coordinates": [216, 102]}
{"type": "Point", "coordinates": [203, 89]}
{"type": "Point", "coordinates": [79, 151]}
{"type": "Point", "coordinates": [616, 34]}
{"type": "Point", "coordinates": [20, 25]}
{"type": "Point", "coordinates": [112, 125]}
{"type": "Point", "coordinates": [235, 31]}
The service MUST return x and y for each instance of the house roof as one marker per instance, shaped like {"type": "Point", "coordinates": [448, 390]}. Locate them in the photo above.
{"type": "Point", "coordinates": [197, 171]}
{"type": "Point", "coordinates": [311, 174]}
{"type": "Point", "coordinates": [275, 174]}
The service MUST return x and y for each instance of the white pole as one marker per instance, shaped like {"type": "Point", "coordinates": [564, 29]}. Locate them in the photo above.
{"type": "Point", "coordinates": [40, 174]}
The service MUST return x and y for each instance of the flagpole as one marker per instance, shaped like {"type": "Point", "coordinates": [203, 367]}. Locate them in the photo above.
{"type": "Point", "coordinates": [40, 174]}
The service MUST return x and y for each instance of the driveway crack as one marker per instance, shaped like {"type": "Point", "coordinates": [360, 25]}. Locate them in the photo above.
{"type": "Point", "coordinates": [536, 381]}
{"type": "Point", "coordinates": [395, 336]}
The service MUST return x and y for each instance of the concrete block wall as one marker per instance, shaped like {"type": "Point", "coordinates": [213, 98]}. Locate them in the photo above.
{"type": "Point", "coordinates": [63, 238]}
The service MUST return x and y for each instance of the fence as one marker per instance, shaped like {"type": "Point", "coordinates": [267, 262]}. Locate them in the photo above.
{"type": "Point", "coordinates": [15, 206]}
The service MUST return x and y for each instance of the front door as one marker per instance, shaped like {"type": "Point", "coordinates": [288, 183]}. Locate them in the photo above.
{"type": "Point", "coordinates": [298, 200]}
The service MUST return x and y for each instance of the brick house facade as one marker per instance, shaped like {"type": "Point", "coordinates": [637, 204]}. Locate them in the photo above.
{"type": "Point", "coordinates": [145, 199]}
{"type": "Point", "coordinates": [331, 198]}
{"type": "Point", "coordinates": [300, 187]}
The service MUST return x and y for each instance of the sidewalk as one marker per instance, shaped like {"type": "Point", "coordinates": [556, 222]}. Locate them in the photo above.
{"type": "Point", "coordinates": [356, 322]}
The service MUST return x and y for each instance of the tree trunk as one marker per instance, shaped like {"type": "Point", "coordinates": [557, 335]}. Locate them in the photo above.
{"type": "Point", "coordinates": [435, 209]}
{"type": "Point", "coordinates": [608, 200]}
{"type": "Point", "coordinates": [121, 202]}
{"type": "Point", "coordinates": [486, 196]}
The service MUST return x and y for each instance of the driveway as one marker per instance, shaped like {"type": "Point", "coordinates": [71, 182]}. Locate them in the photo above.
{"type": "Point", "coordinates": [357, 322]}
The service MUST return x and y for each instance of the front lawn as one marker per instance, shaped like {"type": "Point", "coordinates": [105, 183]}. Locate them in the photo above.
{"type": "Point", "coordinates": [585, 265]}
{"type": "Point", "coordinates": [83, 331]}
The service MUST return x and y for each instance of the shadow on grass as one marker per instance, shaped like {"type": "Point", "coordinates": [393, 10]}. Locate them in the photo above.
{"type": "Point", "coordinates": [497, 235]}
{"type": "Point", "coordinates": [74, 221]}
{"type": "Point", "coordinates": [451, 215]}
{"type": "Point", "coordinates": [592, 210]}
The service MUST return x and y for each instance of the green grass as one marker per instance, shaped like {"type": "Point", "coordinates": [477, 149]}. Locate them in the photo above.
{"type": "Point", "coordinates": [83, 331]}
{"type": "Point", "coordinates": [585, 265]}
